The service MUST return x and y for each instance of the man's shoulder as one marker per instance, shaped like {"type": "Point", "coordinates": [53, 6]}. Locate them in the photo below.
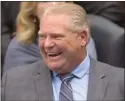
{"type": "Point", "coordinates": [109, 70]}
{"type": "Point", "coordinates": [114, 75]}
{"type": "Point", "coordinates": [24, 71]}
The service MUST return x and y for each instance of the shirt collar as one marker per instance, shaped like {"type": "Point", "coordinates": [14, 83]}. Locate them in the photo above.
{"type": "Point", "coordinates": [80, 70]}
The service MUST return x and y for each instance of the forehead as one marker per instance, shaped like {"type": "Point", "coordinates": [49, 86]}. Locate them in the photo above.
{"type": "Point", "coordinates": [55, 22]}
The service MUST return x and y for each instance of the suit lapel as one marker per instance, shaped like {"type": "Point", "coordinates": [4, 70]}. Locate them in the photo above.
{"type": "Point", "coordinates": [97, 82]}
{"type": "Point", "coordinates": [43, 83]}
{"type": "Point", "coordinates": [96, 88]}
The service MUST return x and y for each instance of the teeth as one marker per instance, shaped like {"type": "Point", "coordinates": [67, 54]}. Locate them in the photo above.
{"type": "Point", "coordinates": [53, 54]}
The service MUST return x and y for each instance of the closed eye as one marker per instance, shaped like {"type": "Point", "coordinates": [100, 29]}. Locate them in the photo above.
{"type": "Point", "coordinates": [41, 36]}
{"type": "Point", "coordinates": [55, 36]}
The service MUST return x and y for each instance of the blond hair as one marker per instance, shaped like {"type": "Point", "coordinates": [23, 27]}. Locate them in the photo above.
{"type": "Point", "coordinates": [79, 20]}
{"type": "Point", "coordinates": [27, 22]}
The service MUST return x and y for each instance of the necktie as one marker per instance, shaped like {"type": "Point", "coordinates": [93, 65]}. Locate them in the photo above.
{"type": "Point", "coordinates": [66, 93]}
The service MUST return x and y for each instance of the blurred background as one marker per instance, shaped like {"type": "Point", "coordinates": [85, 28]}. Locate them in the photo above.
{"type": "Point", "coordinates": [107, 23]}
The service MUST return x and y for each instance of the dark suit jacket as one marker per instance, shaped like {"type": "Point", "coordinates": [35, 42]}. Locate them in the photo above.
{"type": "Point", "coordinates": [33, 83]}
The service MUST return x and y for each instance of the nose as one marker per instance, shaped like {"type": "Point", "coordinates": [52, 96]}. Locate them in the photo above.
{"type": "Point", "coordinates": [48, 43]}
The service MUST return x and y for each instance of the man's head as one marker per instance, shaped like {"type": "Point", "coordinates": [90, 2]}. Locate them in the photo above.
{"type": "Point", "coordinates": [63, 36]}
{"type": "Point", "coordinates": [28, 19]}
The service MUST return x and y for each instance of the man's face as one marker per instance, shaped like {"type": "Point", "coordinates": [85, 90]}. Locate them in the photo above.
{"type": "Point", "coordinates": [60, 47]}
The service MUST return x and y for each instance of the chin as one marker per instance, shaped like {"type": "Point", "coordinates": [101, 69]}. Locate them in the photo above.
{"type": "Point", "coordinates": [53, 65]}
{"type": "Point", "coordinates": [56, 67]}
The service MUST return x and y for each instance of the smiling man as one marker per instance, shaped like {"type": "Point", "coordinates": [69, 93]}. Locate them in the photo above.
{"type": "Point", "coordinates": [62, 48]}
{"type": "Point", "coordinates": [68, 73]}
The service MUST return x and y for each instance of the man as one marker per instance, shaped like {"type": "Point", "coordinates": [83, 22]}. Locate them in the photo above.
{"type": "Point", "coordinates": [29, 53]}
{"type": "Point", "coordinates": [63, 36]}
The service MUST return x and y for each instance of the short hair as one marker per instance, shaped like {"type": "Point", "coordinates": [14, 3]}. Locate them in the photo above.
{"type": "Point", "coordinates": [27, 22]}
{"type": "Point", "coordinates": [79, 20]}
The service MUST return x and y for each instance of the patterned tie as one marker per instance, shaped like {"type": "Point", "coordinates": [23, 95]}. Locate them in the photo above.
{"type": "Point", "coordinates": [66, 93]}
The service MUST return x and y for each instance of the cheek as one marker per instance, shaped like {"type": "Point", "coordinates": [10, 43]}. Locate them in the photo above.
{"type": "Point", "coordinates": [72, 45]}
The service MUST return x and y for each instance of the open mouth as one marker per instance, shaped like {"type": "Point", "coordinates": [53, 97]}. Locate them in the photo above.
{"type": "Point", "coordinates": [54, 54]}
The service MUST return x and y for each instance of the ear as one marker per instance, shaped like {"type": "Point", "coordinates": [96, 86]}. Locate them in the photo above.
{"type": "Point", "coordinates": [84, 38]}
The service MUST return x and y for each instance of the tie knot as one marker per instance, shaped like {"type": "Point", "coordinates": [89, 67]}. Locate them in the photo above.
{"type": "Point", "coordinates": [66, 77]}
